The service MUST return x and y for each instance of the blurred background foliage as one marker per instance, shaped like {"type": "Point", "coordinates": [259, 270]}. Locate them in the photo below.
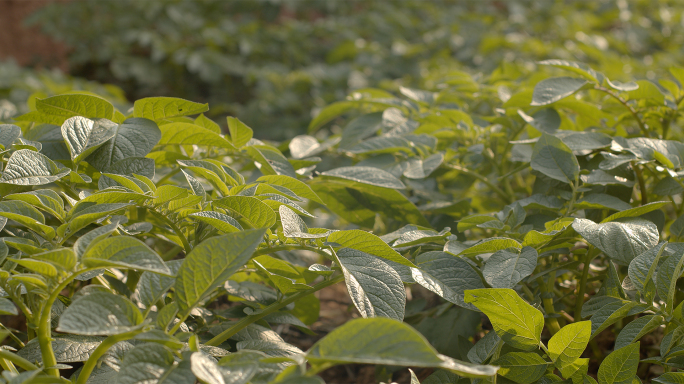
{"type": "Point", "coordinates": [275, 63]}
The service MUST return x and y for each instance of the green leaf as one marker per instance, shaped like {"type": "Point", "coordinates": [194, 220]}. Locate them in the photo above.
{"type": "Point", "coordinates": [100, 313]}
{"type": "Point", "coordinates": [253, 211]}
{"type": "Point", "coordinates": [387, 342]}
{"type": "Point", "coordinates": [620, 366]}
{"type": "Point", "coordinates": [670, 378]}
{"type": "Point", "coordinates": [76, 105]}
{"type": "Point", "coordinates": [27, 167]}
{"type": "Point", "coordinates": [637, 211]}
{"type": "Point", "coordinates": [88, 215]}
{"type": "Point", "coordinates": [218, 220]}
{"type": "Point", "coordinates": [39, 267]}
{"type": "Point", "coordinates": [516, 322]}
{"type": "Point", "coordinates": [152, 286]}
{"type": "Point", "coordinates": [484, 348]}
{"type": "Point", "coordinates": [205, 369]}
{"type": "Point", "coordinates": [25, 214]}
{"type": "Point", "coordinates": [146, 363]}
{"type": "Point", "coordinates": [9, 133]}
{"type": "Point", "coordinates": [45, 199]}
{"type": "Point", "coordinates": [505, 269]}
{"type": "Point", "coordinates": [134, 137]}
{"type": "Point", "coordinates": [83, 136]}
{"type": "Point", "coordinates": [329, 113]}
{"type": "Point", "coordinates": [366, 175]}
{"type": "Point", "coordinates": [621, 241]}
{"type": "Point", "coordinates": [128, 167]}
{"type": "Point", "coordinates": [382, 144]}
{"type": "Point", "coordinates": [271, 160]}
{"type": "Point", "coordinates": [211, 263]}
{"type": "Point", "coordinates": [294, 185]}
{"type": "Point", "coordinates": [638, 329]}
{"type": "Point", "coordinates": [666, 279]}
{"type": "Point", "coordinates": [374, 287]}
{"type": "Point", "coordinates": [554, 159]}
{"type": "Point", "coordinates": [160, 108]}
{"type": "Point", "coordinates": [568, 344]}
{"type": "Point", "coordinates": [7, 307]}
{"type": "Point", "coordinates": [67, 348]}
{"type": "Point", "coordinates": [62, 257]}
{"type": "Point", "coordinates": [191, 134]}
{"type": "Point", "coordinates": [490, 245]}
{"type": "Point", "coordinates": [521, 367]}
{"type": "Point", "coordinates": [240, 134]}
{"type": "Point", "coordinates": [125, 252]}
{"type": "Point", "coordinates": [368, 243]}
{"type": "Point", "coordinates": [610, 313]}
{"type": "Point", "coordinates": [556, 88]}
{"type": "Point", "coordinates": [446, 275]}
{"type": "Point", "coordinates": [642, 269]}
{"type": "Point", "coordinates": [578, 68]}
{"type": "Point", "coordinates": [97, 234]}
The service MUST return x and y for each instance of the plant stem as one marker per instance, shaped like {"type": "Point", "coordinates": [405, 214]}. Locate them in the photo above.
{"type": "Point", "coordinates": [483, 179]}
{"type": "Point", "coordinates": [100, 351]}
{"type": "Point", "coordinates": [18, 360]}
{"type": "Point", "coordinates": [228, 333]}
{"type": "Point", "coordinates": [174, 227]}
{"type": "Point", "coordinates": [44, 331]}
{"type": "Point", "coordinates": [642, 185]}
{"type": "Point", "coordinates": [582, 284]}
{"type": "Point", "coordinates": [551, 322]}
{"type": "Point", "coordinates": [631, 110]}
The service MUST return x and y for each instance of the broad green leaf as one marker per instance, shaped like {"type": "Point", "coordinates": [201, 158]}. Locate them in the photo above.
{"type": "Point", "coordinates": [446, 275]}
{"type": "Point", "coordinates": [484, 348]}
{"type": "Point", "coordinates": [637, 211]}
{"type": "Point", "coordinates": [130, 166]}
{"type": "Point", "coordinates": [366, 175]}
{"type": "Point", "coordinates": [27, 167]}
{"type": "Point", "coordinates": [218, 220]}
{"type": "Point", "coordinates": [551, 90]}
{"type": "Point", "coordinates": [125, 252]}
{"type": "Point", "coordinates": [191, 134]}
{"type": "Point", "coordinates": [329, 113]}
{"type": "Point", "coordinates": [101, 233]}
{"type": "Point", "coordinates": [207, 123]}
{"type": "Point", "coordinates": [637, 329]}
{"type": "Point", "coordinates": [368, 243]}
{"type": "Point", "coordinates": [167, 193]}
{"type": "Point", "coordinates": [505, 269]}
{"type": "Point", "coordinates": [25, 214]}
{"type": "Point", "coordinates": [670, 378]}
{"type": "Point", "coordinates": [135, 137]}
{"type": "Point", "coordinates": [521, 367]}
{"type": "Point", "coordinates": [240, 134]}
{"type": "Point", "coordinates": [211, 263]}
{"type": "Point", "coordinates": [9, 133]}
{"type": "Point", "coordinates": [67, 348]}
{"type": "Point", "coordinates": [160, 108]}
{"type": "Point", "coordinates": [253, 211]}
{"type": "Point", "coordinates": [205, 369]}
{"type": "Point", "coordinates": [490, 245]}
{"type": "Point", "coordinates": [382, 144]}
{"type": "Point", "coordinates": [422, 168]}
{"type": "Point", "coordinates": [40, 267]}
{"type": "Point", "coordinates": [602, 201]}
{"type": "Point", "coordinates": [516, 322]}
{"type": "Point", "coordinates": [441, 377]}
{"type": "Point", "coordinates": [62, 257]}
{"type": "Point", "coordinates": [387, 342]}
{"type": "Point", "coordinates": [568, 344]}
{"type": "Point", "coordinates": [271, 160]}
{"type": "Point", "coordinates": [621, 241]}
{"type": "Point", "coordinates": [642, 269]}
{"type": "Point", "coordinates": [212, 173]}
{"type": "Point", "coordinates": [546, 120]}
{"type": "Point", "coordinates": [146, 363]}
{"type": "Point", "coordinates": [76, 105]}
{"type": "Point", "coordinates": [555, 159]}
{"type": "Point", "coordinates": [666, 279]}
{"type": "Point", "coordinates": [152, 286]}
{"type": "Point", "coordinates": [578, 68]}
{"type": "Point", "coordinates": [374, 287]}
{"type": "Point", "coordinates": [45, 199]}
{"type": "Point", "coordinates": [620, 366]}
{"type": "Point", "coordinates": [296, 186]}
{"type": "Point", "coordinates": [50, 137]}
{"type": "Point", "coordinates": [83, 136]}
{"type": "Point", "coordinates": [100, 313]}
{"type": "Point", "coordinates": [88, 215]}
{"type": "Point", "coordinates": [610, 313]}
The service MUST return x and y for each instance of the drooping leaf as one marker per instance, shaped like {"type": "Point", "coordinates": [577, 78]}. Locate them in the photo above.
{"type": "Point", "coordinates": [191, 134]}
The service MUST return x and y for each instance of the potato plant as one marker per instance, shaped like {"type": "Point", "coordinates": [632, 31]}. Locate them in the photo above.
{"type": "Point", "coordinates": [540, 215]}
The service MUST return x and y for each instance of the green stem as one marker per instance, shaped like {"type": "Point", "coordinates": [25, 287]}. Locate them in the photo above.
{"type": "Point", "coordinates": [642, 185]}
{"type": "Point", "coordinates": [575, 186]}
{"type": "Point", "coordinates": [44, 331]}
{"type": "Point", "coordinates": [18, 360]}
{"type": "Point", "coordinates": [100, 351]}
{"type": "Point", "coordinates": [167, 176]}
{"type": "Point", "coordinates": [631, 110]}
{"type": "Point", "coordinates": [174, 227]}
{"type": "Point", "coordinates": [582, 284]}
{"type": "Point", "coordinates": [240, 325]}
{"type": "Point", "coordinates": [547, 289]}
{"type": "Point", "coordinates": [483, 179]}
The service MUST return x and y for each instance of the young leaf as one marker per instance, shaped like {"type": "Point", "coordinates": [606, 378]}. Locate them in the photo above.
{"type": "Point", "coordinates": [374, 287]}
{"type": "Point", "coordinates": [567, 345]}
{"type": "Point", "coordinates": [211, 263]}
{"type": "Point", "coordinates": [516, 322]}
{"type": "Point", "coordinates": [100, 313]}
{"type": "Point", "coordinates": [388, 342]}
{"type": "Point", "coordinates": [253, 211]}
{"type": "Point", "coordinates": [240, 134]}
{"type": "Point", "coordinates": [620, 366]}
{"type": "Point", "coordinates": [27, 167]}
{"type": "Point", "coordinates": [555, 159]}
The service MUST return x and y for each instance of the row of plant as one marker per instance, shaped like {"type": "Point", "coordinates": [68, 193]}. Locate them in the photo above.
{"type": "Point", "coordinates": [147, 246]}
